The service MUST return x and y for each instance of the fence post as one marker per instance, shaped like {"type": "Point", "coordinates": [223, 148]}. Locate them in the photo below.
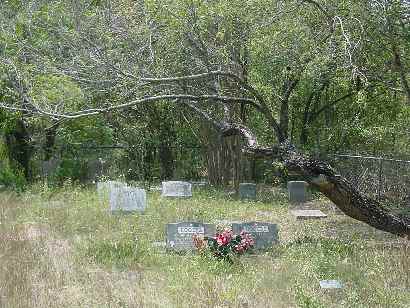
{"type": "Point", "coordinates": [379, 191]}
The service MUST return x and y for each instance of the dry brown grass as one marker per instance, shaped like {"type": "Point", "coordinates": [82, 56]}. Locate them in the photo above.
{"type": "Point", "coordinates": [60, 256]}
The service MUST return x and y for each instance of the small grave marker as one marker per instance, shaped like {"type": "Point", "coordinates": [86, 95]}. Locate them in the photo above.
{"type": "Point", "coordinates": [297, 191]}
{"type": "Point", "coordinates": [308, 214]}
{"type": "Point", "coordinates": [264, 234]}
{"type": "Point", "coordinates": [179, 235]}
{"type": "Point", "coordinates": [247, 191]}
{"type": "Point", "coordinates": [127, 199]}
{"type": "Point", "coordinates": [176, 189]}
{"type": "Point", "coordinates": [330, 284]}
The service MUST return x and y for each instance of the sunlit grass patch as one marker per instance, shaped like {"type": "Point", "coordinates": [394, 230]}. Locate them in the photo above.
{"type": "Point", "coordinates": [83, 255]}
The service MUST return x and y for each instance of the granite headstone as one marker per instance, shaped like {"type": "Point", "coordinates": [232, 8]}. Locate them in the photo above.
{"type": "Point", "coordinates": [176, 189]}
{"type": "Point", "coordinates": [264, 234]}
{"type": "Point", "coordinates": [125, 199]}
{"type": "Point", "coordinates": [180, 235]}
{"type": "Point", "coordinates": [297, 191]}
{"type": "Point", "coordinates": [247, 191]}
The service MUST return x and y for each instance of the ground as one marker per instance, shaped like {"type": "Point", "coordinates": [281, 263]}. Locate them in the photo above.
{"type": "Point", "coordinates": [62, 248]}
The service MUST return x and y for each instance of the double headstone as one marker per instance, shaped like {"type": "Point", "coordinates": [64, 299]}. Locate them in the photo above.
{"type": "Point", "coordinates": [297, 191]}
{"type": "Point", "coordinates": [264, 234]}
{"type": "Point", "coordinates": [247, 191]}
{"type": "Point", "coordinates": [180, 235]}
{"type": "Point", "coordinates": [176, 189]}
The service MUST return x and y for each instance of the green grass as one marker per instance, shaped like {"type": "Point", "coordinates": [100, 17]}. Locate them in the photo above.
{"type": "Point", "coordinates": [76, 254]}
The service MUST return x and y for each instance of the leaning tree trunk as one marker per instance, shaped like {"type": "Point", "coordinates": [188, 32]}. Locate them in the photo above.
{"type": "Point", "coordinates": [322, 176]}
{"type": "Point", "coordinates": [343, 194]}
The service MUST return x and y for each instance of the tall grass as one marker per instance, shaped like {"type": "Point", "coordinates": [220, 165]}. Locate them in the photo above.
{"type": "Point", "coordinates": [63, 249]}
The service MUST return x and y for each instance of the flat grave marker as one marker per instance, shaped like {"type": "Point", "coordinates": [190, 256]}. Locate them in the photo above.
{"type": "Point", "coordinates": [247, 191]}
{"type": "Point", "coordinates": [127, 200]}
{"type": "Point", "coordinates": [297, 191]}
{"type": "Point", "coordinates": [176, 189]}
{"type": "Point", "coordinates": [179, 235]}
{"type": "Point", "coordinates": [308, 214]}
{"type": "Point", "coordinates": [264, 234]}
{"type": "Point", "coordinates": [330, 284]}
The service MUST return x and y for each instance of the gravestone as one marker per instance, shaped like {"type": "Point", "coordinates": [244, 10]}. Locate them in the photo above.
{"type": "Point", "coordinates": [330, 284]}
{"type": "Point", "coordinates": [264, 234]}
{"type": "Point", "coordinates": [125, 199]}
{"type": "Point", "coordinates": [308, 214]}
{"type": "Point", "coordinates": [179, 235]}
{"type": "Point", "coordinates": [176, 189]}
{"type": "Point", "coordinates": [247, 191]}
{"type": "Point", "coordinates": [297, 191]}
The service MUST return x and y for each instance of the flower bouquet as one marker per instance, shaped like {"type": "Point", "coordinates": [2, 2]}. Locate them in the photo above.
{"type": "Point", "coordinates": [225, 245]}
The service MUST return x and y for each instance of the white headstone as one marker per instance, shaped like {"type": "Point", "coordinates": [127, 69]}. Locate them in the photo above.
{"type": "Point", "coordinates": [176, 189]}
{"type": "Point", "coordinates": [127, 199]}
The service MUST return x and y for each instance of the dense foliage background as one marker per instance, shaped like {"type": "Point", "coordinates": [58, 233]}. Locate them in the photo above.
{"type": "Point", "coordinates": [333, 73]}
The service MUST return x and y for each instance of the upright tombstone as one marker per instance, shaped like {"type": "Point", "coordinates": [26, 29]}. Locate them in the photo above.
{"type": "Point", "coordinates": [176, 189]}
{"type": "Point", "coordinates": [127, 200]}
{"type": "Point", "coordinates": [180, 235]}
{"type": "Point", "coordinates": [264, 234]}
{"type": "Point", "coordinates": [247, 191]}
{"type": "Point", "coordinates": [297, 191]}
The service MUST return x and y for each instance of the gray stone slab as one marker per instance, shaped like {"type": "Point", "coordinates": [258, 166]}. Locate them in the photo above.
{"type": "Point", "coordinates": [330, 284]}
{"type": "Point", "coordinates": [308, 214]}
{"type": "Point", "coordinates": [176, 189]}
{"type": "Point", "coordinates": [179, 235]}
{"type": "Point", "coordinates": [127, 200]}
{"type": "Point", "coordinates": [297, 191]}
{"type": "Point", "coordinates": [264, 234]}
{"type": "Point", "coordinates": [247, 191]}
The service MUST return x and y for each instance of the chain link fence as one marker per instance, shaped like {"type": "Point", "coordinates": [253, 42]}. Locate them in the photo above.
{"type": "Point", "coordinates": [385, 179]}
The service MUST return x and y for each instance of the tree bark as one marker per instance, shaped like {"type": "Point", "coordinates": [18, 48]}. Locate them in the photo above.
{"type": "Point", "coordinates": [343, 194]}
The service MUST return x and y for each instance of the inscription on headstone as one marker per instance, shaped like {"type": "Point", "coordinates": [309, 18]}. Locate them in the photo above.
{"type": "Point", "coordinates": [176, 189]}
{"type": "Point", "coordinates": [179, 235]}
{"type": "Point", "coordinates": [127, 199]}
{"type": "Point", "coordinates": [247, 191]}
{"type": "Point", "coordinates": [297, 191]}
{"type": "Point", "coordinates": [264, 234]}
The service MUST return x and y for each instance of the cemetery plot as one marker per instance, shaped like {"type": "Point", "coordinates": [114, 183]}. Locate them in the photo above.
{"type": "Point", "coordinates": [247, 191]}
{"type": "Point", "coordinates": [308, 214]}
{"type": "Point", "coordinates": [127, 199]}
{"type": "Point", "coordinates": [176, 189]}
{"type": "Point", "coordinates": [297, 191]}
{"type": "Point", "coordinates": [179, 235]}
{"type": "Point", "coordinates": [264, 234]}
